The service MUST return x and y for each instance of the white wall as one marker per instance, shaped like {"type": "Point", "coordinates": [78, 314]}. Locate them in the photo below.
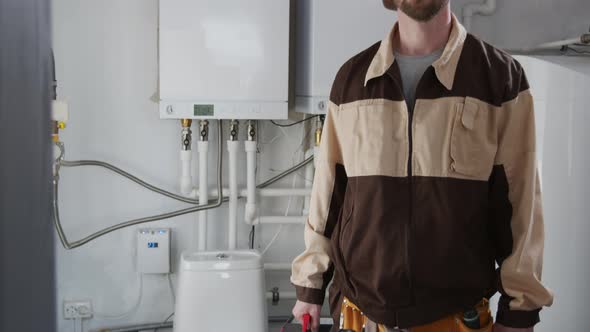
{"type": "Point", "coordinates": [562, 116]}
{"type": "Point", "coordinates": [106, 55]}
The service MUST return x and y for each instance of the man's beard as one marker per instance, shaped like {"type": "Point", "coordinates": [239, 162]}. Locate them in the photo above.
{"type": "Point", "coordinates": [418, 12]}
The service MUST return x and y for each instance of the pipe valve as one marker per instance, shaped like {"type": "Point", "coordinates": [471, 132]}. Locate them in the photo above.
{"type": "Point", "coordinates": [318, 130]}
{"type": "Point", "coordinates": [251, 130]}
{"type": "Point", "coordinates": [186, 136]}
{"type": "Point", "coordinates": [233, 130]}
{"type": "Point", "coordinates": [276, 296]}
{"type": "Point", "coordinates": [204, 130]}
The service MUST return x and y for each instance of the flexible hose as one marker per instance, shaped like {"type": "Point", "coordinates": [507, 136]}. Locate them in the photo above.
{"type": "Point", "coordinates": [214, 203]}
{"type": "Point", "coordinates": [81, 242]}
{"type": "Point", "coordinates": [129, 176]}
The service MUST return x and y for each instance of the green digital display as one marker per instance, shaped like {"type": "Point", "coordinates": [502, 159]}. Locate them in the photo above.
{"type": "Point", "coordinates": [203, 110]}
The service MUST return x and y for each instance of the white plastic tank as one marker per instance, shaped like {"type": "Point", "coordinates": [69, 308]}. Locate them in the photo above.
{"type": "Point", "coordinates": [221, 292]}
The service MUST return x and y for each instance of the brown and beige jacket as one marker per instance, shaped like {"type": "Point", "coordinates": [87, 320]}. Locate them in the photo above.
{"type": "Point", "coordinates": [411, 212]}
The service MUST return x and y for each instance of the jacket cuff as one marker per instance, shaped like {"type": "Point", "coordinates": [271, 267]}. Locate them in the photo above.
{"type": "Point", "coordinates": [515, 318]}
{"type": "Point", "coordinates": [310, 295]}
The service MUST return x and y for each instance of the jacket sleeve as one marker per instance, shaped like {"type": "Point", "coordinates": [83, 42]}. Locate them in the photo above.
{"type": "Point", "coordinates": [516, 211]}
{"type": "Point", "coordinates": [312, 270]}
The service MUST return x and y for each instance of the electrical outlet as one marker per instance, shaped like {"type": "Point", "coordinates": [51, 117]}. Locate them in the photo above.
{"type": "Point", "coordinates": [77, 309]}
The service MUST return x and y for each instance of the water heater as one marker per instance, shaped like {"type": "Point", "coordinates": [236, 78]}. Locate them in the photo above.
{"type": "Point", "coordinates": [224, 59]}
{"type": "Point", "coordinates": [329, 32]}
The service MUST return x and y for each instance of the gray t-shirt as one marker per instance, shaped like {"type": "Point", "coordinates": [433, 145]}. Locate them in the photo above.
{"type": "Point", "coordinates": [411, 68]}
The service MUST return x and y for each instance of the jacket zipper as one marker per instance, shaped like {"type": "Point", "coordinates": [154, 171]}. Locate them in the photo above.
{"type": "Point", "coordinates": [411, 200]}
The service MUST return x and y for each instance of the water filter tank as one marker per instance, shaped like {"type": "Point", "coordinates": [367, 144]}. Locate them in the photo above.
{"type": "Point", "coordinates": [221, 292]}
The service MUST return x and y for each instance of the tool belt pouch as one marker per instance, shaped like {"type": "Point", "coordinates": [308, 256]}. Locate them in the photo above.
{"type": "Point", "coordinates": [351, 317]}
{"type": "Point", "coordinates": [485, 318]}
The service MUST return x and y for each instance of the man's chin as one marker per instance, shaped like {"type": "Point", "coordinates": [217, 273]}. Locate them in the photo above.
{"type": "Point", "coordinates": [389, 4]}
{"type": "Point", "coordinates": [422, 13]}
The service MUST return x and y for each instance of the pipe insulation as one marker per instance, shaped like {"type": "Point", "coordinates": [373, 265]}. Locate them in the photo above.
{"type": "Point", "coordinates": [280, 220]}
{"type": "Point", "coordinates": [251, 207]}
{"type": "Point", "coordinates": [232, 149]}
{"type": "Point", "coordinates": [266, 192]}
{"type": "Point", "coordinates": [186, 179]}
{"type": "Point", "coordinates": [584, 39]}
{"type": "Point", "coordinates": [203, 149]}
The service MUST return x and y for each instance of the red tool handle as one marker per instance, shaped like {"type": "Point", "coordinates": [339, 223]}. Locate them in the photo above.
{"type": "Point", "coordinates": [306, 320]}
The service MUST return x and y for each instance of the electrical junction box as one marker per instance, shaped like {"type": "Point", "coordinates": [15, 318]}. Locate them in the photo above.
{"type": "Point", "coordinates": [329, 32]}
{"type": "Point", "coordinates": [224, 59]}
{"type": "Point", "coordinates": [153, 250]}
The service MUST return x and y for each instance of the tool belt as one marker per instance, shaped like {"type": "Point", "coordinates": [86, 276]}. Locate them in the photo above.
{"type": "Point", "coordinates": [353, 319]}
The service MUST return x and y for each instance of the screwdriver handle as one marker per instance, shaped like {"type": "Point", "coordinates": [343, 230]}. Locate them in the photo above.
{"type": "Point", "coordinates": [306, 321]}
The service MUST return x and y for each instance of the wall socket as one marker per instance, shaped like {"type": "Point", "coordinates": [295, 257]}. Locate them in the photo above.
{"type": "Point", "coordinates": [77, 309]}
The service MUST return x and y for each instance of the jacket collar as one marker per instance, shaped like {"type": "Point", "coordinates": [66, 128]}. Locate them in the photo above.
{"type": "Point", "coordinates": [445, 67]}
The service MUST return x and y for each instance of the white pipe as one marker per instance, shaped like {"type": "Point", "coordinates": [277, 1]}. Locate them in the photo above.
{"type": "Point", "coordinates": [266, 192]}
{"type": "Point", "coordinates": [555, 45]}
{"type": "Point", "coordinates": [281, 192]}
{"type": "Point", "coordinates": [186, 179]}
{"type": "Point", "coordinates": [250, 212]}
{"type": "Point", "coordinates": [487, 8]}
{"type": "Point", "coordinates": [277, 220]}
{"type": "Point", "coordinates": [277, 267]}
{"type": "Point", "coordinates": [560, 43]}
{"type": "Point", "coordinates": [289, 296]}
{"type": "Point", "coordinates": [203, 148]}
{"type": "Point", "coordinates": [283, 295]}
{"type": "Point", "coordinates": [232, 149]}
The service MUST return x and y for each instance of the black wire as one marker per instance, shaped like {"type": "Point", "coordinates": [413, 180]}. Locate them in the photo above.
{"type": "Point", "coordinates": [294, 123]}
{"type": "Point", "coordinates": [252, 233]}
{"type": "Point", "coordinates": [289, 321]}
{"type": "Point", "coordinates": [53, 77]}
{"type": "Point", "coordinates": [166, 320]}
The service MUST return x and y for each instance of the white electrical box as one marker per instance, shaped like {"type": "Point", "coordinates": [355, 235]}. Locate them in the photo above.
{"type": "Point", "coordinates": [153, 250]}
{"type": "Point", "coordinates": [329, 32]}
{"type": "Point", "coordinates": [224, 59]}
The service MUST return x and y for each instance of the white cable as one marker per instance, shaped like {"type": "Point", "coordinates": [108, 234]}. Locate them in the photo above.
{"type": "Point", "coordinates": [78, 323]}
{"type": "Point", "coordinates": [130, 311]}
{"type": "Point", "coordinates": [299, 149]}
{"type": "Point", "coordinates": [171, 289]}
{"type": "Point", "coordinates": [285, 133]}
{"type": "Point", "coordinates": [274, 238]}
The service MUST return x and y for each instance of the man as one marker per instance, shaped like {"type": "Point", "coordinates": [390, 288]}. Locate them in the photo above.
{"type": "Point", "coordinates": [426, 178]}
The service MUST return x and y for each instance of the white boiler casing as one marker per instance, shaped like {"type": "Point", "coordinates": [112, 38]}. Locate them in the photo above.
{"type": "Point", "coordinates": [224, 59]}
{"type": "Point", "coordinates": [329, 32]}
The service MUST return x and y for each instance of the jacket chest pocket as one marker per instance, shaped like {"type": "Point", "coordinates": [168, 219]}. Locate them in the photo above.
{"type": "Point", "coordinates": [473, 141]}
{"type": "Point", "coordinates": [379, 139]}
